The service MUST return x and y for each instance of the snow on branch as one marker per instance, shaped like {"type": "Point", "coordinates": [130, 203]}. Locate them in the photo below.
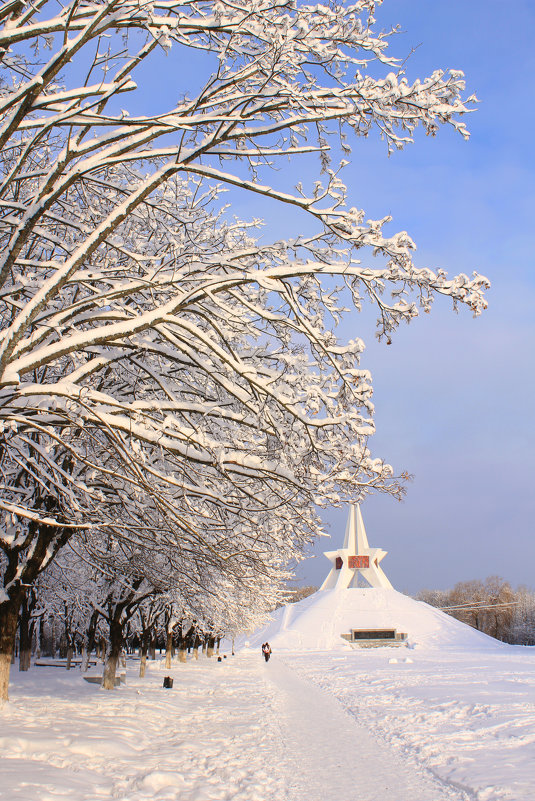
{"type": "Point", "coordinates": [166, 377]}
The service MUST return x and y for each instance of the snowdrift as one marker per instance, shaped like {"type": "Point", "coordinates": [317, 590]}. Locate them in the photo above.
{"type": "Point", "coordinates": [317, 622]}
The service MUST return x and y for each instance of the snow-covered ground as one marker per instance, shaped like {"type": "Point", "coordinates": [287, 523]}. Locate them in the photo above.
{"type": "Point", "coordinates": [458, 702]}
{"type": "Point", "coordinates": [466, 716]}
{"type": "Point", "coordinates": [414, 724]}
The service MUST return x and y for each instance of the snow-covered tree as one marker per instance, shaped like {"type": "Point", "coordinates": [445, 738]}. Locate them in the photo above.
{"type": "Point", "coordinates": [491, 606]}
{"type": "Point", "coordinates": [522, 629]}
{"type": "Point", "coordinates": [68, 591]}
{"type": "Point", "coordinates": [150, 347]}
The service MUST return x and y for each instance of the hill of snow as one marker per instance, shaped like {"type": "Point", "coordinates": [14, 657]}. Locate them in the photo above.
{"type": "Point", "coordinates": [316, 623]}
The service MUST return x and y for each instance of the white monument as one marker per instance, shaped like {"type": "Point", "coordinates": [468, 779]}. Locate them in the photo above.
{"type": "Point", "coordinates": [342, 615]}
{"type": "Point", "coordinates": [356, 557]}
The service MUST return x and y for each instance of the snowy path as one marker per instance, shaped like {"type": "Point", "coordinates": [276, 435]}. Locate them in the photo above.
{"type": "Point", "coordinates": [238, 730]}
{"type": "Point", "coordinates": [328, 756]}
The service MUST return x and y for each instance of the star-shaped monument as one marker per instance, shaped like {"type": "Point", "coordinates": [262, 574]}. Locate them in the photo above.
{"type": "Point", "coordinates": [355, 557]}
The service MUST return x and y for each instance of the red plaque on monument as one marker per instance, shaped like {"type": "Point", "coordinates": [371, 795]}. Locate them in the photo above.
{"type": "Point", "coordinates": [339, 562]}
{"type": "Point", "coordinates": [358, 561]}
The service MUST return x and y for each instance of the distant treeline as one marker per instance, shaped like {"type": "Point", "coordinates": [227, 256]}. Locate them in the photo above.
{"type": "Point", "coordinates": [491, 606]}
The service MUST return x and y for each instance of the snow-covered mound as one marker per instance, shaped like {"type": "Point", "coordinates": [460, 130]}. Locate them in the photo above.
{"type": "Point", "coordinates": [316, 623]}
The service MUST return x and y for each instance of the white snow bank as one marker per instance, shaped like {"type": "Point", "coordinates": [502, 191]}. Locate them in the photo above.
{"type": "Point", "coordinates": [316, 623]}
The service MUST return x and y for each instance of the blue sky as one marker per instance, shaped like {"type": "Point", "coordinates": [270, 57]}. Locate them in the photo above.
{"type": "Point", "coordinates": [455, 396]}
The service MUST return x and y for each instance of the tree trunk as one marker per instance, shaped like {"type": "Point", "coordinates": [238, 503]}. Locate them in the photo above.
{"type": "Point", "coordinates": [168, 649]}
{"type": "Point", "coordinates": [143, 651]}
{"type": "Point", "coordinates": [210, 647]}
{"type": "Point", "coordinates": [183, 651]}
{"type": "Point", "coordinates": [41, 637]}
{"type": "Point", "coordinates": [25, 659]}
{"type": "Point", "coordinates": [196, 643]}
{"type": "Point", "coordinates": [33, 637]}
{"type": "Point", "coordinates": [25, 638]}
{"type": "Point", "coordinates": [9, 616]}
{"type": "Point", "coordinates": [143, 662]}
{"type": "Point", "coordinates": [69, 656]}
{"type": "Point", "coordinates": [53, 639]}
{"type": "Point", "coordinates": [46, 541]}
{"type": "Point", "coordinates": [116, 643]}
{"type": "Point", "coordinates": [89, 641]}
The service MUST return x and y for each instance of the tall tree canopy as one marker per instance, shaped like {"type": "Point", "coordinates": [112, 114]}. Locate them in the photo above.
{"type": "Point", "coordinates": [164, 373]}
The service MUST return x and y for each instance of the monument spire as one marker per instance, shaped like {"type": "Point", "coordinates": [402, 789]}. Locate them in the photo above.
{"type": "Point", "coordinates": [355, 557]}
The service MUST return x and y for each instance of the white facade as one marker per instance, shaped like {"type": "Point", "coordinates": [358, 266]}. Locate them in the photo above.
{"type": "Point", "coordinates": [354, 558]}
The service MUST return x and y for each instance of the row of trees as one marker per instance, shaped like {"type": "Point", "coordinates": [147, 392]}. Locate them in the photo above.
{"type": "Point", "coordinates": [173, 400]}
{"type": "Point", "coordinates": [491, 606]}
{"type": "Point", "coordinates": [85, 606]}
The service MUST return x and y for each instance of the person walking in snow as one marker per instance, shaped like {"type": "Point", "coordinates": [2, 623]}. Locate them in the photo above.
{"type": "Point", "coordinates": [266, 650]}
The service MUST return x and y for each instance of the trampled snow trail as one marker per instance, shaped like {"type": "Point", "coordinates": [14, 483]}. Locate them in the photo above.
{"type": "Point", "coordinates": [327, 756]}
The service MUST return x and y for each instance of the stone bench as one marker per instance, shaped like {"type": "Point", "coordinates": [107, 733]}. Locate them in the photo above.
{"type": "Point", "coordinates": [61, 663]}
{"type": "Point", "coordinates": [98, 679]}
